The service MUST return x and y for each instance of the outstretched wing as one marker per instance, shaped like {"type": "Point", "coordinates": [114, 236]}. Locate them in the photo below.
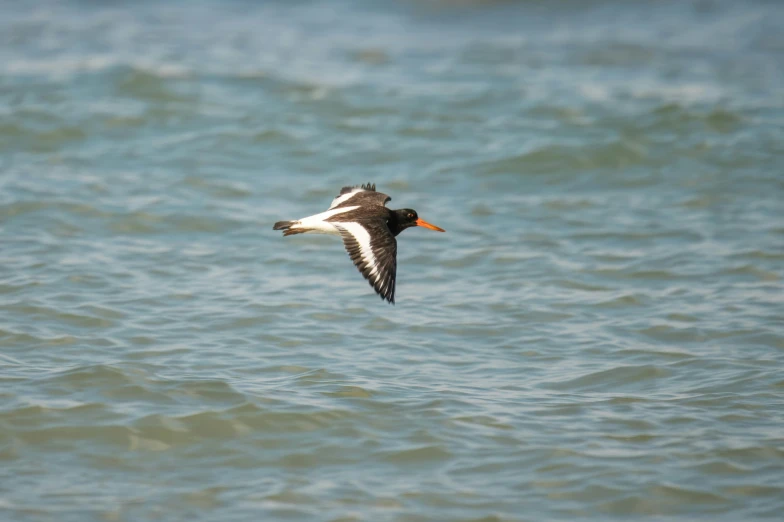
{"type": "Point", "coordinates": [373, 249]}
{"type": "Point", "coordinates": [359, 195]}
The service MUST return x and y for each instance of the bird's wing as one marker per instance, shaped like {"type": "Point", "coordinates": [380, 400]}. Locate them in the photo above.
{"type": "Point", "coordinates": [359, 195]}
{"type": "Point", "coordinates": [373, 249]}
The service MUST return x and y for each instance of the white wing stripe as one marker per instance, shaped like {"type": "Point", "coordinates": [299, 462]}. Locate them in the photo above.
{"type": "Point", "coordinates": [363, 239]}
{"type": "Point", "coordinates": [317, 223]}
{"type": "Point", "coordinates": [345, 197]}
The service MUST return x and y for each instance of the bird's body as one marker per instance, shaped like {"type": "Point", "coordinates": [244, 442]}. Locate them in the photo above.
{"type": "Point", "coordinates": [368, 228]}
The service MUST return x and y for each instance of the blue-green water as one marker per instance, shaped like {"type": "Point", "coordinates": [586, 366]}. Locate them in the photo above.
{"type": "Point", "coordinates": [599, 335]}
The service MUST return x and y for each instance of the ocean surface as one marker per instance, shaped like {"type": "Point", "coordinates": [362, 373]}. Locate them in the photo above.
{"type": "Point", "coordinates": [598, 336]}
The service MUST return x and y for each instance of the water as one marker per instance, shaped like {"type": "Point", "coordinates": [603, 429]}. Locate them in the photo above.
{"type": "Point", "coordinates": [599, 334]}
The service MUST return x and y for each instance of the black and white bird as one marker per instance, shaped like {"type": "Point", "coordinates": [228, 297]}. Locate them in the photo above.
{"type": "Point", "coordinates": [368, 229]}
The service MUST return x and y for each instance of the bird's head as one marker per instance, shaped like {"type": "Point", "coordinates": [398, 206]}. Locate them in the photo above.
{"type": "Point", "coordinates": [408, 217]}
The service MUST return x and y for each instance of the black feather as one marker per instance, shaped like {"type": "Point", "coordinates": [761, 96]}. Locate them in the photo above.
{"type": "Point", "coordinates": [384, 247]}
{"type": "Point", "coordinates": [366, 186]}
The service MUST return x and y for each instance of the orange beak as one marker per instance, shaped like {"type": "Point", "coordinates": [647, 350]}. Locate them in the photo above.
{"type": "Point", "coordinates": [422, 223]}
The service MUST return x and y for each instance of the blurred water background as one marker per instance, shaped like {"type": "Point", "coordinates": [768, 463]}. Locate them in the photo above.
{"type": "Point", "coordinates": [599, 334]}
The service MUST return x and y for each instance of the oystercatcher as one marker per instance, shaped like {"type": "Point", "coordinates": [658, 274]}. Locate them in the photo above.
{"type": "Point", "coordinates": [368, 229]}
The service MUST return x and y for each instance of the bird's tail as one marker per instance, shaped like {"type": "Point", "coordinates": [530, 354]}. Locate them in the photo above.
{"type": "Point", "coordinates": [285, 226]}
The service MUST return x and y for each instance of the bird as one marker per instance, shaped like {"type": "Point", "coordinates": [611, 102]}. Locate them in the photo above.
{"type": "Point", "coordinates": [358, 215]}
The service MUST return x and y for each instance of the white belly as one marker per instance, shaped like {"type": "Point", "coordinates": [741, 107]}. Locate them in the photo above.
{"type": "Point", "coordinates": [316, 223]}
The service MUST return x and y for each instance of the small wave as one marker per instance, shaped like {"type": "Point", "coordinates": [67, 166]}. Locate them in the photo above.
{"type": "Point", "coordinates": [68, 66]}
{"type": "Point", "coordinates": [619, 378]}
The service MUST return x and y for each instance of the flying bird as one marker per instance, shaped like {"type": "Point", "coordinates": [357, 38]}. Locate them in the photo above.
{"type": "Point", "coordinates": [368, 228]}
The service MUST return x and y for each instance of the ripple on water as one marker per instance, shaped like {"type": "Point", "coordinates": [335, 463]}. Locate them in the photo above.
{"type": "Point", "coordinates": [597, 336]}
{"type": "Point", "coordinates": [620, 378]}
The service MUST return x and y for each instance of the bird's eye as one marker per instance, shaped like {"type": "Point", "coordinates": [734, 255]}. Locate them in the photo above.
{"type": "Point", "coordinates": [411, 215]}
